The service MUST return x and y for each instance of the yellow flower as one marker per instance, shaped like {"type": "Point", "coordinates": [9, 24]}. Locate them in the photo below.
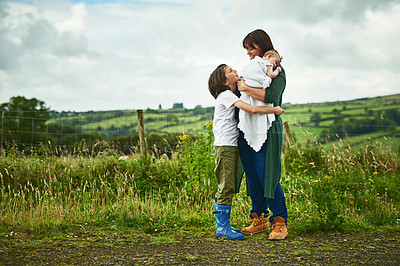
{"type": "Point", "coordinates": [183, 137]}
{"type": "Point", "coordinates": [375, 173]}
{"type": "Point", "coordinates": [316, 181]}
{"type": "Point", "coordinates": [327, 177]}
{"type": "Point", "coordinates": [209, 125]}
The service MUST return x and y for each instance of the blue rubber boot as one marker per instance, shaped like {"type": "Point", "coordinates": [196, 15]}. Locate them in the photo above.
{"type": "Point", "coordinates": [223, 226]}
{"type": "Point", "coordinates": [234, 229]}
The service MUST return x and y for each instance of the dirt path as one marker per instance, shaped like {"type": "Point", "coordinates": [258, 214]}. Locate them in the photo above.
{"type": "Point", "coordinates": [369, 248]}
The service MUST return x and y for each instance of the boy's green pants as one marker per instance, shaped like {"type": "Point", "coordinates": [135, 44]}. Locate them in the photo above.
{"type": "Point", "coordinates": [226, 162]}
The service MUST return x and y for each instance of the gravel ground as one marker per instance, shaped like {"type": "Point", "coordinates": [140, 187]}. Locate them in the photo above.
{"type": "Point", "coordinates": [371, 248]}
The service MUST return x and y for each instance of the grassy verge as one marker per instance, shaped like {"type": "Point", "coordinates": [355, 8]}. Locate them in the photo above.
{"type": "Point", "coordinates": [77, 198]}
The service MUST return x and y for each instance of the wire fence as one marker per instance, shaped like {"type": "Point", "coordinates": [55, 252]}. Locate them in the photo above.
{"type": "Point", "coordinates": [120, 128]}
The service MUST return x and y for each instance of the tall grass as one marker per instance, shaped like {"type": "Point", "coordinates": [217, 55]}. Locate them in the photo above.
{"type": "Point", "coordinates": [342, 188]}
{"type": "Point", "coordinates": [335, 189]}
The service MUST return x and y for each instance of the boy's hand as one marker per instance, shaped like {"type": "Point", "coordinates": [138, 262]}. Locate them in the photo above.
{"type": "Point", "coordinates": [241, 84]}
{"type": "Point", "coordinates": [279, 110]}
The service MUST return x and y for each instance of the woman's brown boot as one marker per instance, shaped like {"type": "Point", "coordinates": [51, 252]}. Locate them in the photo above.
{"type": "Point", "coordinates": [257, 225]}
{"type": "Point", "coordinates": [279, 229]}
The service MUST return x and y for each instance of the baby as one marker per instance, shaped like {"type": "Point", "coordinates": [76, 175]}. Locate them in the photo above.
{"type": "Point", "coordinates": [274, 59]}
{"type": "Point", "coordinates": [258, 73]}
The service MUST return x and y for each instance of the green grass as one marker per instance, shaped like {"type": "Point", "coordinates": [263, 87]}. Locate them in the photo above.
{"type": "Point", "coordinates": [71, 196]}
{"type": "Point", "coordinates": [301, 252]}
{"type": "Point", "coordinates": [90, 196]}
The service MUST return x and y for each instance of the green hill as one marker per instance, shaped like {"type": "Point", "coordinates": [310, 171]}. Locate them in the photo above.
{"type": "Point", "coordinates": [356, 120]}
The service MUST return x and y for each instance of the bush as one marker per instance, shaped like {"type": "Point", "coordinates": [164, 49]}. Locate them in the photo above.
{"type": "Point", "coordinates": [308, 159]}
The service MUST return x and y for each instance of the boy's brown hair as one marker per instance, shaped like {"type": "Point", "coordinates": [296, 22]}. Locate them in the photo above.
{"type": "Point", "coordinates": [216, 82]}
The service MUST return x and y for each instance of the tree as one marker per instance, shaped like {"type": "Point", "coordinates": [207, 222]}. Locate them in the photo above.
{"type": "Point", "coordinates": [392, 115]}
{"type": "Point", "coordinates": [198, 110]}
{"type": "Point", "coordinates": [315, 118]}
{"type": "Point", "coordinates": [24, 120]}
{"type": "Point", "coordinates": [177, 106]}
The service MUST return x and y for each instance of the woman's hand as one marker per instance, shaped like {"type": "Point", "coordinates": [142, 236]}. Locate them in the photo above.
{"type": "Point", "coordinates": [278, 110]}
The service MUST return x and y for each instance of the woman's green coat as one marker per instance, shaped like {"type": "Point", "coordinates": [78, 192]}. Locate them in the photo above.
{"type": "Point", "coordinates": [273, 164]}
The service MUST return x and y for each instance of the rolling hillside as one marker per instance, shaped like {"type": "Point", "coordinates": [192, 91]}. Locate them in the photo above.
{"type": "Point", "coordinates": [370, 119]}
{"type": "Point", "coordinates": [374, 118]}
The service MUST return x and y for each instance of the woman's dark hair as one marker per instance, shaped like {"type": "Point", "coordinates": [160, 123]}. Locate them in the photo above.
{"type": "Point", "coordinates": [260, 38]}
{"type": "Point", "coordinates": [216, 82]}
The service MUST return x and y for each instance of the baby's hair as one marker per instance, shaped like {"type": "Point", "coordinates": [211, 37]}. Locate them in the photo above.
{"type": "Point", "coordinates": [216, 82]}
{"type": "Point", "coordinates": [274, 53]}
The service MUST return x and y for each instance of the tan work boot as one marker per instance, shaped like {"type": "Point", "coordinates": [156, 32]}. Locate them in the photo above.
{"type": "Point", "coordinates": [279, 229]}
{"type": "Point", "coordinates": [257, 225]}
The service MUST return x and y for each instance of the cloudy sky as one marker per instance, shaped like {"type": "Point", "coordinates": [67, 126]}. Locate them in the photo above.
{"type": "Point", "coordinates": [127, 54]}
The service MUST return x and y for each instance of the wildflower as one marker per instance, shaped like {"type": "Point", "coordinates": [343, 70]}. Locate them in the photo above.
{"type": "Point", "coordinates": [375, 173]}
{"type": "Point", "coordinates": [184, 137]}
{"type": "Point", "coordinates": [209, 125]}
{"type": "Point", "coordinates": [327, 177]}
{"type": "Point", "coordinates": [316, 181]}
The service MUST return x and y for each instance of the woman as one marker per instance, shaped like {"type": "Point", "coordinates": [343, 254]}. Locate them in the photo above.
{"type": "Point", "coordinates": [263, 168]}
{"type": "Point", "coordinates": [222, 85]}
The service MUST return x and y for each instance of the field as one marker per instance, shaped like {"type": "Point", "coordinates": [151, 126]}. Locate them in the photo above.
{"type": "Point", "coordinates": [312, 122]}
{"type": "Point", "coordinates": [171, 121]}
{"type": "Point", "coordinates": [49, 192]}
{"type": "Point", "coordinates": [305, 129]}
{"type": "Point", "coordinates": [71, 199]}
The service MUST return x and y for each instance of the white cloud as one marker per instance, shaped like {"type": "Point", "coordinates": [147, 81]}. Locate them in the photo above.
{"type": "Point", "coordinates": [76, 23]}
{"type": "Point", "coordinates": [138, 54]}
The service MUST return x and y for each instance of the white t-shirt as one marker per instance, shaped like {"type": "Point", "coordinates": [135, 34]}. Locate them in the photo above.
{"type": "Point", "coordinates": [225, 128]}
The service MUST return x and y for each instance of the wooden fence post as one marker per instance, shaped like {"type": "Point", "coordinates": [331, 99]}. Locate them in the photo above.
{"type": "Point", "coordinates": [288, 134]}
{"type": "Point", "coordinates": [142, 134]}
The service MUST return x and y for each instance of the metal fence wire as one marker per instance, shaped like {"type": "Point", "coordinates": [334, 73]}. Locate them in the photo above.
{"type": "Point", "coordinates": [117, 127]}
{"type": "Point", "coordinates": [68, 129]}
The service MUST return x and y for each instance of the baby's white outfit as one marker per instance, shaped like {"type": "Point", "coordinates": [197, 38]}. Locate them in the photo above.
{"type": "Point", "coordinates": [255, 126]}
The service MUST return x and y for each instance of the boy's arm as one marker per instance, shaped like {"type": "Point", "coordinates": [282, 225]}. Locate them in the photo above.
{"type": "Point", "coordinates": [258, 109]}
